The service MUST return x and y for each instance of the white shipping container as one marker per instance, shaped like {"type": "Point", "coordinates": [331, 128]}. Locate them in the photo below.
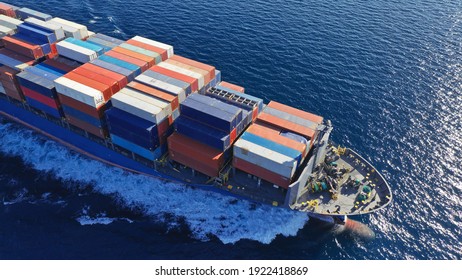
{"type": "Point", "coordinates": [6, 30]}
{"type": "Point", "coordinates": [79, 92]}
{"type": "Point", "coordinates": [75, 52]}
{"type": "Point", "coordinates": [164, 106]}
{"type": "Point", "coordinates": [10, 22]}
{"type": "Point", "coordinates": [137, 107]}
{"type": "Point", "coordinates": [184, 71]}
{"type": "Point", "coordinates": [82, 28]}
{"type": "Point", "coordinates": [155, 44]}
{"type": "Point", "coordinates": [58, 30]}
{"type": "Point", "coordinates": [265, 158]}
{"type": "Point", "coordinates": [69, 31]}
{"type": "Point", "coordinates": [163, 86]}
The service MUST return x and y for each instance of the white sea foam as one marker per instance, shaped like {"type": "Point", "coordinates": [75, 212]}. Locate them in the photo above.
{"type": "Point", "coordinates": [204, 212]}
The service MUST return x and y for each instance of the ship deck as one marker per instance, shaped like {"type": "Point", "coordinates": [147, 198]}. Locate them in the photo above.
{"type": "Point", "coordinates": [358, 190]}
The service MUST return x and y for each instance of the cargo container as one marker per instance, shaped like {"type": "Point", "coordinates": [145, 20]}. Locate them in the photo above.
{"type": "Point", "coordinates": [9, 83]}
{"type": "Point", "coordinates": [145, 153]}
{"type": "Point", "coordinates": [40, 35]}
{"type": "Point", "coordinates": [94, 130]}
{"type": "Point", "coordinates": [9, 22]}
{"type": "Point", "coordinates": [162, 52]}
{"type": "Point", "coordinates": [44, 74]}
{"type": "Point", "coordinates": [58, 30]}
{"type": "Point", "coordinates": [195, 155]}
{"type": "Point", "coordinates": [69, 31]}
{"type": "Point", "coordinates": [21, 47]}
{"type": "Point", "coordinates": [75, 52]}
{"type": "Point", "coordinates": [127, 73]}
{"type": "Point", "coordinates": [79, 92]}
{"type": "Point", "coordinates": [212, 102]}
{"type": "Point", "coordinates": [107, 38]}
{"type": "Point", "coordinates": [61, 64]}
{"type": "Point", "coordinates": [295, 112]}
{"type": "Point", "coordinates": [136, 70]}
{"type": "Point", "coordinates": [155, 57]}
{"type": "Point", "coordinates": [100, 87]}
{"type": "Point", "coordinates": [107, 46]}
{"type": "Point", "coordinates": [148, 99]}
{"type": "Point", "coordinates": [172, 99]}
{"type": "Point", "coordinates": [37, 83]}
{"type": "Point", "coordinates": [172, 89]}
{"type": "Point", "coordinates": [108, 81]}
{"type": "Point", "coordinates": [134, 124]}
{"type": "Point", "coordinates": [42, 107]}
{"type": "Point", "coordinates": [128, 56]}
{"type": "Point", "coordinates": [169, 80]}
{"type": "Point", "coordinates": [176, 75]}
{"type": "Point", "coordinates": [70, 26]}
{"type": "Point", "coordinates": [202, 133]}
{"type": "Point", "coordinates": [75, 113]}
{"type": "Point", "coordinates": [209, 70]}
{"type": "Point", "coordinates": [138, 108]}
{"type": "Point", "coordinates": [7, 9]}
{"type": "Point", "coordinates": [286, 125]}
{"type": "Point", "coordinates": [97, 113]}
{"type": "Point", "coordinates": [259, 101]}
{"type": "Point", "coordinates": [88, 45]}
{"type": "Point", "coordinates": [121, 79]}
{"type": "Point", "coordinates": [163, 46]}
{"type": "Point", "coordinates": [265, 158]}
{"type": "Point", "coordinates": [262, 173]}
{"type": "Point", "coordinates": [24, 13]}
{"type": "Point", "coordinates": [184, 71]}
{"type": "Point", "coordinates": [15, 60]}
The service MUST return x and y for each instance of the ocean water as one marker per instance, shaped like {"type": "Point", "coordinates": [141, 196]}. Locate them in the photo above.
{"type": "Point", "coordinates": [386, 73]}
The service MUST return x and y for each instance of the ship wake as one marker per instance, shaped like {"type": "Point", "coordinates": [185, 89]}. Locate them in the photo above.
{"type": "Point", "coordinates": [205, 213]}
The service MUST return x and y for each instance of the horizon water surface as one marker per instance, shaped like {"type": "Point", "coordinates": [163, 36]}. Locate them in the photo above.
{"type": "Point", "coordinates": [387, 74]}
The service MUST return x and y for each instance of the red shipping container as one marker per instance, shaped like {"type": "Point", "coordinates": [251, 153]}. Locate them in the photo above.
{"type": "Point", "coordinates": [287, 125]}
{"type": "Point", "coordinates": [113, 84]}
{"type": "Point", "coordinates": [21, 47]}
{"type": "Point", "coordinates": [262, 173]}
{"type": "Point", "coordinates": [233, 135]}
{"type": "Point", "coordinates": [296, 112]}
{"type": "Point", "coordinates": [140, 63]}
{"type": "Point", "coordinates": [210, 69]}
{"type": "Point", "coordinates": [232, 86]}
{"type": "Point", "coordinates": [172, 99]}
{"type": "Point", "coordinates": [84, 108]}
{"type": "Point", "coordinates": [87, 127]}
{"type": "Point", "coordinates": [207, 155]}
{"type": "Point", "coordinates": [7, 10]}
{"type": "Point", "coordinates": [106, 90]}
{"type": "Point", "coordinates": [121, 79]}
{"type": "Point", "coordinates": [254, 113]}
{"type": "Point", "coordinates": [50, 102]}
{"type": "Point", "coordinates": [162, 129]}
{"type": "Point", "coordinates": [163, 53]}
{"type": "Point", "coordinates": [193, 163]}
{"type": "Point", "coordinates": [187, 79]}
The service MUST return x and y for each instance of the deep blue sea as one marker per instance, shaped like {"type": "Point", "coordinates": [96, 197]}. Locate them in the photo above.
{"type": "Point", "coordinates": [388, 74]}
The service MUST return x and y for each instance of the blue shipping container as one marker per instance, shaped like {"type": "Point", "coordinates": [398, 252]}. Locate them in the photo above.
{"type": "Point", "coordinates": [144, 141]}
{"type": "Point", "coordinates": [48, 69]}
{"type": "Point", "coordinates": [131, 122]}
{"type": "Point", "coordinates": [202, 133]}
{"type": "Point", "coordinates": [114, 68]}
{"type": "Point", "coordinates": [107, 38]}
{"type": "Point", "coordinates": [69, 111]}
{"type": "Point", "coordinates": [24, 13]}
{"type": "Point", "coordinates": [37, 83]}
{"type": "Point", "coordinates": [43, 36]}
{"type": "Point", "coordinates": [231, 109]}
{"type": "Point", "coordinates": [151, 155]}
{"type": "Point", "coordinates": [87, 45]}
{"type": "Point", "coordinates": [121, 63]}
{"type": "Point", "coordinates": [107, 46]}
{"type": "Point", "coordinates": [42, 73]}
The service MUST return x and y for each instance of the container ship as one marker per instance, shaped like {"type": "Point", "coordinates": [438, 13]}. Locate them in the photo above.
{"type": "Point", "coordinates": [136, 105]}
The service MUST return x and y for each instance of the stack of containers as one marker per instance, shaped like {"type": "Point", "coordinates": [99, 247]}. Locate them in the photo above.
{"type": "Point", "coordinates": [203, 73]}
{"type": "Point", "coordinates": [71, 29]}
{"type": "Point", "coordinates": [15, 60]}
{"type": "Point", "coordinates": [9, 84]}
{"type": "Point", "coordinates": [138, 120]}
{"type": "Point", "coordinates": [275, 146]}
{"type": "Point", "coordinates": [204, 132]}
{"type": "Point", "coordinates": [104, 41]}
{"type": "Point", "coordinates": [79, 50]}
{"type": "Point", "coordinates": [84, 93]}
{"type": "Point", "coordinates": [37, 85]}
{"type": "Point", "coordinates": [8, 25]}
{"type": "Point", "coordinates": [8, 10]}
{"type": "Point", "coordinates": [250, 105]}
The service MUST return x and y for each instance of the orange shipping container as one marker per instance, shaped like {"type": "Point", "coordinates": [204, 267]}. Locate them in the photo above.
{"type": "Point", "coordinates": [284, 124]}
{"type": "Point", "coordinates": [99, 78]}
{"type": "Point", "coordinates": [106, 90]}
{"type": "Point", "coordinates": [232, 86]}
{"type": "Point", "coordinates": [172, 99]}
{"type": "Point", "coordinates": [206, 155]}
{"type": "Point", "coordinates": [121, 79]}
